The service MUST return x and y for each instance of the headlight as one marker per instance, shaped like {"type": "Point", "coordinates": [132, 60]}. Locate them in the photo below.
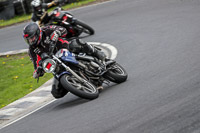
{"type": "Point", "coordinates": [49, 65]}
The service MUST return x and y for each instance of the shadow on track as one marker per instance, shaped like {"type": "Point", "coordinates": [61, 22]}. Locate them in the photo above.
{"type": "Point", "coordinates": [71, 100]}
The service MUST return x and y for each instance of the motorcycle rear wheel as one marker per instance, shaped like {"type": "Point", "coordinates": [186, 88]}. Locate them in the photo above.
{"type": "Point", "coordinates": [73, 85]}
{"type": "Point", "coordinates": [116, 74]}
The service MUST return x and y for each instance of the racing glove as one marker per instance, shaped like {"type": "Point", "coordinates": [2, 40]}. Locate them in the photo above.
{"type": "Point", "coordinates": [38, 72]}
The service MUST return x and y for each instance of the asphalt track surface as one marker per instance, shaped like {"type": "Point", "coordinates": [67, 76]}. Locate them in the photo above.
{"type": "Point", "coordinates": [158, 44]}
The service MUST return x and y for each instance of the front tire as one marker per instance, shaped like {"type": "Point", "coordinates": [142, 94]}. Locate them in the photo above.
{"type": "Point", "coordinates": [116, 74]}
{"type": "Point", "coordinates": [87, 29]}
{"type": "Point", "coordinates": [73, 85]}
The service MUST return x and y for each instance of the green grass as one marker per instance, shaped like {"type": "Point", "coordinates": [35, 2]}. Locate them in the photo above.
{"type": "Point", "coordinates": [18, 19]}
{"type": "Point", "coordinates": [16, 78]}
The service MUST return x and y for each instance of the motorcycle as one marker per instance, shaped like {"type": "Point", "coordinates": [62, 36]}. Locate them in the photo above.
{"type": "Point", "coordinates": [82, 74]}
{"type": "Point", "coordinates": [63, 18]}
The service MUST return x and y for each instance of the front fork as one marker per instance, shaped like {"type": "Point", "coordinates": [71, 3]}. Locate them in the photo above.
{"type": "Point", "coordinates": [69, 70]}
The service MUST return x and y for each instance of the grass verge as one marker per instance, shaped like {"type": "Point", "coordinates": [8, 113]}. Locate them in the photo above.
{"type": "Point", "coordinates": [16, 78]}
{"type": "Point", "coordinates": [23, 18]}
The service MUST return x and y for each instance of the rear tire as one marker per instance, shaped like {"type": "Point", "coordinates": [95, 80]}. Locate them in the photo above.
{"type": "Point", "coordinates": [116, 74]}
{"type": "Point", "coordinates": [73, 85]}
{"type": "Point", "coordinates": [87, 29]}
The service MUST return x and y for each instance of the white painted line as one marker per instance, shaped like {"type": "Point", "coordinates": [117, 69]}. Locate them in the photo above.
{"type": "Point", "coordinates": [109, 46]}
{"type": "Point", "coordinates": [95, 43]}
{"type": "Point", "coordinates": [26, 114]}
{"type": "Point", "coordinates": [112, 48]}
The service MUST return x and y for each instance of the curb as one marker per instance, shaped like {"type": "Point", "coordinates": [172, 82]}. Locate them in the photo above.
{"type": "Point", "coordinates": [39, 97]}
{"type": "Point", "coordinates": [14, 52]}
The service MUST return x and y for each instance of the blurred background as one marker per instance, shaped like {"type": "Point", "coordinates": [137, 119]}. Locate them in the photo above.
{"type": "Point", "coordinates": [11, 8]}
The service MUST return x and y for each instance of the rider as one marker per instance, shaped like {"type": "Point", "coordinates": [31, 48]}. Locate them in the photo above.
{"type": "Point", "coordinates": [39, 40]}
{"type": "Point", "coordinates": [39, 14]}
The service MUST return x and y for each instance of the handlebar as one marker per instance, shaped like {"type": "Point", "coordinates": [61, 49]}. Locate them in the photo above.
{"type": "Point", "coordinates": [51, 49]}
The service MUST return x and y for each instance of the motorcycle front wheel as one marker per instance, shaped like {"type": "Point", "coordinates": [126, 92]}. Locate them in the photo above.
{"type": "Point", "coordinates": [84, 90]}
{"type": "Point", "coordinates": [86, 28]}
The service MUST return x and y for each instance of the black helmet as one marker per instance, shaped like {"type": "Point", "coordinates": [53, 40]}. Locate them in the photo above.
{"type": "Point", "coordinates": [37, 6]}
{"type": "Point", "coordinates": [32, 34]}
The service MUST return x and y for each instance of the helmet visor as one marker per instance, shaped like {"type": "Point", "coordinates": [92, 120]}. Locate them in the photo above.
{"type": "Point", "coordinates": [38, 9]}
{"type": "Point", "coordinates": [31, 40]}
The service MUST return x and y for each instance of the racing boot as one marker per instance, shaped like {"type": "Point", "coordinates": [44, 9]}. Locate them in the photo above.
{"type": "Point", "coordinates": [90, 50]}
{"type": "Point", "coordinates": [99, 54]}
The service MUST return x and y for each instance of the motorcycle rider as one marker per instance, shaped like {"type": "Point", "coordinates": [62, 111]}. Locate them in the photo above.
{"type": "Point", "coordinates": [39, 40]}
{"type": "Point", "coordinates": [40, 14]}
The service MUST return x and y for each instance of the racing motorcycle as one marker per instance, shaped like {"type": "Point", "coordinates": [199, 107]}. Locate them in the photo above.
{"type": "Point", "coordinates": [63, 18]}
{"type": "Point", "coordinates": [82, 74]}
